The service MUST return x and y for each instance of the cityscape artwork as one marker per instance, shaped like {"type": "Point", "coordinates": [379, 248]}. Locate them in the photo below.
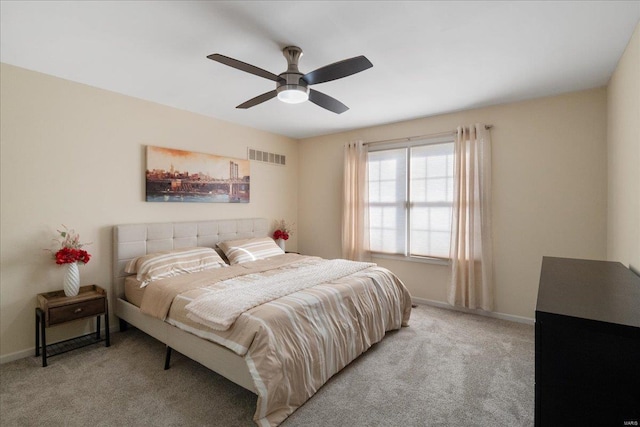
{"type": "Point", "coordinates": [184, 176]}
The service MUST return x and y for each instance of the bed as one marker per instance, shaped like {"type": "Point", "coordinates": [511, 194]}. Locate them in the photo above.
{"type": "Point", "coordinates": [285, 343]}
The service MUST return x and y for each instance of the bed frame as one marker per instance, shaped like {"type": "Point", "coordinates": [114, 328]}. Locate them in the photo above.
{"type": "Point", "coordinates": [134, 240]}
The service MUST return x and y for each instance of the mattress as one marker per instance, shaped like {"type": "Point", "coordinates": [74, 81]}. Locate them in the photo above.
{"type": "Point", "coordinates": [133, 292]}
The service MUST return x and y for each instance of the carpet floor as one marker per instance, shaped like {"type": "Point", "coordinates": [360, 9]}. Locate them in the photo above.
{"type": "Point", "coordinates": [447, 369]}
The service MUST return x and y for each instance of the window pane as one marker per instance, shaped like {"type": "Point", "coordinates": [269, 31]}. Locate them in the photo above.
{"type": "Point", "coordinates": [428, 202]}
{"type": "Point", "coordinates": [418, 189]}
{"type": "Point", "coordinates": [389, 191]}
{"type": "Point", "coordinates": [418, 166]}
{"type": "Point", "coordinates": [419, 218]}
{"type": "Point", "coordinates": [431, 197]}
{"type": "Point", "coordinates": [436, 189]}
{"type": "Point", "coordinates": [420, 242]}
{"type": "Point", "coordinates": [440, 243]}
{"type": "Point", "coordinates": [374, 170]}
{"type": "Point", "coordinates": [374, 191]}
{"type": "Point", "coordinates": [432, 173]}
{"type": "Point", "coordinates": [387, 200]}
{"type": "Point", "coordinates": [440, 219]}
{"type": "Point", "coordinates": [390, 168]}
{"type": "Point", "coordinates": [387, 229]}
{"type": "Point", "coordinates": [430, 231]}
{"type": "Point", "coordinates": [437, 165]}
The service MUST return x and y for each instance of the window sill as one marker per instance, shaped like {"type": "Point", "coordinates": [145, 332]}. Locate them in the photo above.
{"type": "Point", "coordinates": [421, 260]}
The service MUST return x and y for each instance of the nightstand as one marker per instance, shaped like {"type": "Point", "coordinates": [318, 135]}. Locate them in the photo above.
{"type": "Point", "coordinates": [54, 308]}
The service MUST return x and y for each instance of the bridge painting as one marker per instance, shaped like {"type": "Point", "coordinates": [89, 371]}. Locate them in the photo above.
{"type": "Point", "coordinates": [185, 176]}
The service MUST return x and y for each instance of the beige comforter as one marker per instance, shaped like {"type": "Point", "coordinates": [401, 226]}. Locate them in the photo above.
{"type": "Point", "coordinates": [293, 344]}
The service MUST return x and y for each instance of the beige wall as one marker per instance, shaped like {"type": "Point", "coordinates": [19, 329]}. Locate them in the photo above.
{"type": "Point", "coordinates": [74, 155]}
{"type": "Point", "coordinates": [549, 182]}
{"type": "Point", "coordinates": [623, 139]}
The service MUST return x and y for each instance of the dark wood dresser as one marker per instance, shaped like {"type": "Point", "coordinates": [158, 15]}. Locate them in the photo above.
{"type": "Point", "coordinates": [587, 344]}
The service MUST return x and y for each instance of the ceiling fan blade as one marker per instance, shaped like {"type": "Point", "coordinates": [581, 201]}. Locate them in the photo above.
{"type": "Point", "coordinates": [258, 99]}
{"type": "Point", "coordinates": [243, 66]}
{"type": "Point", "coordinates": [327, 102]}
{"type": "Point", "coordinates": [337, 70]}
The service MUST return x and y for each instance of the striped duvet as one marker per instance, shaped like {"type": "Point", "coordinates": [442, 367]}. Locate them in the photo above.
{"type": "Point", "coordinates": [293, 344]}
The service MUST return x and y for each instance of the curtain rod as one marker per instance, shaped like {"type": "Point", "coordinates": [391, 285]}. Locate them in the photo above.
{"type": "Point", "coordinates": [411, 138]}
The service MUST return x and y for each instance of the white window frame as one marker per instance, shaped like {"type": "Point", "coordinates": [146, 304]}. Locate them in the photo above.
{"type": "Point", "coordinates": [407, 145]}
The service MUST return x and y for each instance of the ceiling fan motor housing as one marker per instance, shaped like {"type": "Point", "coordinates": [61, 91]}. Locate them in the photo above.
{"type": "Point", "coordinates": [291, 86]}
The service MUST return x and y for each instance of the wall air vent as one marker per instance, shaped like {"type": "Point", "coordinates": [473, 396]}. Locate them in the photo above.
{"type": "Point", "coordinates": [265, 157]}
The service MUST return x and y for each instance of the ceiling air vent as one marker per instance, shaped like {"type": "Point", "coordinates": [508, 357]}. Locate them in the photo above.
{"type": "Point", "coordinates": [265, 157]}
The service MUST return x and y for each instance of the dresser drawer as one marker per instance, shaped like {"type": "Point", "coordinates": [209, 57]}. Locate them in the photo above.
{"type": "Point", "coordinates": [79, 310]}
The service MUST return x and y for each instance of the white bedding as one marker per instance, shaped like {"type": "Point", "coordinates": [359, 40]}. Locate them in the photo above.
{"type": "Point", "coordinates": [220, 307]}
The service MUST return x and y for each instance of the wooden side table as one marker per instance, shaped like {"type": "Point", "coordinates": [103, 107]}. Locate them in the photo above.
{"type": "Point", "coordinates": [54, 308]}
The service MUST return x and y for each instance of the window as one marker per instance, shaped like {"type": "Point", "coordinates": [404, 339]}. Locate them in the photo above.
{"type": "Point", "coordinates": [410, 198]}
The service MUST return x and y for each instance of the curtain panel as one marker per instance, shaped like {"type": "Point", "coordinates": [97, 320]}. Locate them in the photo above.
{"type": "Point", "coordinates": [471, 243]}
{"type": "Point", "coordinates": [355, 210]}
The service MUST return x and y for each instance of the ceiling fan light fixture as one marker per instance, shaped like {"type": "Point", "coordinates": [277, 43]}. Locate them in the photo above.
{"type": "Point", "coordinates": [293, 94]}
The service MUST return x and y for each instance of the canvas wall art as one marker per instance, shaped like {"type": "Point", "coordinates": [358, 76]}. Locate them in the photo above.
{"type": "Point", "coordinates": [185, 176]}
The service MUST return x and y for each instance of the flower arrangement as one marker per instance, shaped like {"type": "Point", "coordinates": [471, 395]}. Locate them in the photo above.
{"type": "Point", "coordinates": [283, 231]}
{"type": "Point", "coordinates": [70, 248]}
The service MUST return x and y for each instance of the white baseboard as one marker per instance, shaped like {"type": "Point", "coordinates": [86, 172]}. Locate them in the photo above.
{"type": "Point", "coordinates": [503, 316]}
{"type": "Point", "coordinates": [17, 355]}
{"type": "Point", "coordinates": [30, 352]}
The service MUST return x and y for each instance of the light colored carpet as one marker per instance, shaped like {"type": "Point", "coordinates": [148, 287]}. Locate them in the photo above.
{"type": "Point", "coordinates": [447, 369]}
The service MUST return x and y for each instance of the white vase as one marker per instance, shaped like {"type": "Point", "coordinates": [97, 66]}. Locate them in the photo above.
{"type": "Point", "coordinates": [72, 280]}
{"type": "Point", "coordinates": [280, 243]}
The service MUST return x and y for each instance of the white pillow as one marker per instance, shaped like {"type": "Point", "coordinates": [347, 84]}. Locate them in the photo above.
{"type": "Point", "coordinates": [173, 263]}
{"type": "Point", "coordinates": [239, 251]}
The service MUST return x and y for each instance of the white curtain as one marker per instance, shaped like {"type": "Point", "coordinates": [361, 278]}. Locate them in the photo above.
{"type": "Point", "coordinates": [471, 246]}
{"type": "Point", "coordinates": [355, 210]}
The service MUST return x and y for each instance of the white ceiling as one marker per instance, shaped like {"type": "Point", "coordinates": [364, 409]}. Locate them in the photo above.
{"type": "Point", "coordinates": [428, 57]}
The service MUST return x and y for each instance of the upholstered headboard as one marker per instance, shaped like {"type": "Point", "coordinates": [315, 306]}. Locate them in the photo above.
{"type": "Point", "coordinates": [134, 240]}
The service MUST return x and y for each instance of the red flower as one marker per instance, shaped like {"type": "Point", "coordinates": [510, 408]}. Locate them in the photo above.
{"type": "Point", "coordinates": [283, 231]}
{"type": "Point", "coordinates": [70, 250]}
{"type": "Point", "coordinates": [279, 234]}
{"type": "Point", "coordinates": [69, 255]}
{"type": "Point", "coordinates": [83, 256]}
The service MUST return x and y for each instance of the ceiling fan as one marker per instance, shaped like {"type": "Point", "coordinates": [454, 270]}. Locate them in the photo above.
{"type": "Point", "coordinates": [292, 86]}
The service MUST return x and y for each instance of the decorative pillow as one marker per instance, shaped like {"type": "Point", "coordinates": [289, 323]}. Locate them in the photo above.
{"type": "Point", "coordinates": [239, 251]}
{"type": "Point", "coordinates": [173, 263]}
